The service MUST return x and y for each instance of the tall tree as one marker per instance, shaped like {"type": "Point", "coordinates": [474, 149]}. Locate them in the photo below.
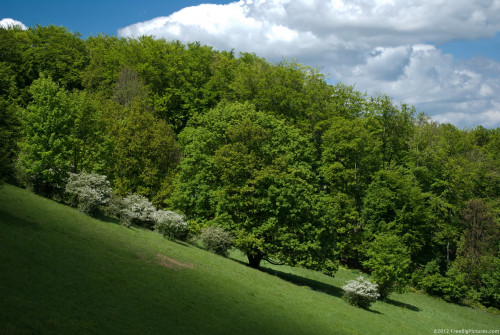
{"type": "Point", "coordinates": [46, 151]}
{"type": "Point", "coordinates": [394, 203]}
{"type": "Point", "coordinates": [58, 53]}
{"type": "Point", "coordinates": [479, 244]}
{"type": "Point", "coordinates": [243, 170]}
{"type": "Point", "coordinates": [393, 126]}
{"type": "Point", "coordinates": [145, 155]}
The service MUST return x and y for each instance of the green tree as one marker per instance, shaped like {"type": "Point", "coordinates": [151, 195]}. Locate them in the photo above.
{"type": "Point", "coordinates": [47, 148]}
{"type": "Point", "coordinates": [389, 261]}
{"type": "Point", "coordinates": [9, 121]}
{"type": "Point", "coordinates": [58, 53]}
{"type": "Point", "coordinates": [394, 203]}
{"type": "Point", "coordinates": [243, 170]}
{"type": "Point", "coordinates": [393, 127]}
{"type": "Point", "coordinates": [348, 157]}
{"type": "Point", "coordinates": [145, 155]}
{"type": "Point", "coordinates": [106, 58]}
{"type": "Point", "coordinates": [479, 243]}
{"type": "Point", "coordinates": [9, 134]}
{"type": "Point", "coordinates": [287, 90]}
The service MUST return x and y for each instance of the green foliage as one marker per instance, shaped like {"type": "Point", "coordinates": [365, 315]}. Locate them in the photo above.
{"type": "Point", "coordinates": [47, 148]}
{"type": "Point", "coordinates": [170, 224]}
{"type": "Point", "coordinates": [90, 191]}
{"type": "Point", "coordinates": [394, 203]}
{"type": "Point", "coordinates": [477, 254]}
{"type": "Point", "coordinates": [349, 157]}
{"type": "Point", "coordinates": [389, 261]}
{"type": "Point", "coordinates": [145, 155]}
{"type": "Point", "coordinates": [392, 126]}
{"type": "Point", "coordinates": [490, 289]}
{"type": "Point", "coordinates": [216, 240]}
{"type": "Point", "coordinates": [287, 90]}
{"type": "Point", "coordinates": [9, 134]}
{"type": "Point", "coordinates": [106, 58]}
{"type": "Point", "coordinates": [429, 279]}
{"type": "Point", "coordinates": [360, 292]}
{"type": "Point", "coordinates": [245, 168]}
{"type": "Point", "coordinates": [57, 53]}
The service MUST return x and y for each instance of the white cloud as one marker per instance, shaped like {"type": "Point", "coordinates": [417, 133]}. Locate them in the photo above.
{"type": "Point", "coordinates": [8, 22]}
{"type": "Point", "coordinates": [384, 46]}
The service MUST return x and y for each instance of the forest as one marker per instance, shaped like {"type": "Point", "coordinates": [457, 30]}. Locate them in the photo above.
{"type": "Point", "coordinates": [299, 171]}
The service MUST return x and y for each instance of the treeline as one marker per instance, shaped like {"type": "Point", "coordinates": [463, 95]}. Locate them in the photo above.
{"type": "Point", "coordinates": [299, 171]}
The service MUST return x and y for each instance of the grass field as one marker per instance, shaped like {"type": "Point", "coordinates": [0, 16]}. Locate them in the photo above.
{"type": "Point", "coordinates": [62, 272]}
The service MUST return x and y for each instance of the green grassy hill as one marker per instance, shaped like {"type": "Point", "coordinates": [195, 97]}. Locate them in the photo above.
{"type": "Point", "coordinates": [62, 272]}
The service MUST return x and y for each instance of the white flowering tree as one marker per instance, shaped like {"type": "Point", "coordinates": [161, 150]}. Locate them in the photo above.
{"type": "Point", "coordinates": [216, 240]}
{"type": "Point", "coordinates": [170, 224]}
{"type": "Point", "coordinates": [90, 190]}
{"type": "Point", "coordinates": [360, 292]}
{"type": "Point", "coordinates": [137, 209]}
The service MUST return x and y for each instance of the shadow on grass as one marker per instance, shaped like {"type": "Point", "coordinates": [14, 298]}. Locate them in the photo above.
{"type": "Point", "coordinates": [323, 287]}
{"type": "Point", "coordinates": [13, 220]}
{"type": "Point", "coordinates": [301, 281]}
{"type": "Point", "coordinates": [311, 283]}
{"type": "Point", "coordinates": [374, 311]}
{"type": "Point", "coordinates": [402, 305]}
{"type": "Point", "coordinates": [107, 218]}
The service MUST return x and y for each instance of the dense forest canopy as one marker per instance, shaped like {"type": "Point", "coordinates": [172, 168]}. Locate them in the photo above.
{"type": "Point", "coordinates": [300, 171]}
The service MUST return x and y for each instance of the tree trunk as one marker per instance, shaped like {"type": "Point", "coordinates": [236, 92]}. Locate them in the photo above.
{"type": "Point", "coordinates": [254, 259]}
{"type": "Point", "coordinates": [448, 255]}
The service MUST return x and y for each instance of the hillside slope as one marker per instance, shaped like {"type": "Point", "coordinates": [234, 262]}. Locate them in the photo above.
{"type": "Point", "coordinates": [62, 272]}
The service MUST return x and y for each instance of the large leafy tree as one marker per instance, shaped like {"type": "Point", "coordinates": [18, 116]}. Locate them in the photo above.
{"type": "Point", "coordinates": [144, 155]}
{"type": "Point", "coordinates": [394, 203]}
{"type": "Point", "coordinates": [479, 243]}
{"type": "Point", "coordinates": [389, 261]}
{"type": "Point", "coordinates": [46, 151]}
{"type": "Point", "coordinates": [9, 133]}
{"type": "Point", "coordinates": [251, 173]}
{"type": "Point", "coordinates": [61, 135]}
{"type": "Point", "coordinates": [393, 126]}
{"type": "Point", "coordinates": [9, 123]}
{"type": "Point", "coordinates": [58, 53]}
{"type": "Point", "coordinates": [348, 157]}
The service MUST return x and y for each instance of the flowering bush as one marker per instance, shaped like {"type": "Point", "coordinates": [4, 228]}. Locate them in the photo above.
{"type": "Point", "coordinates": [170, 224]}
{"type": "Point", "coordinates": [360, 292]}
{"type": "Point", "coordinates": [216, 240]}
{"type": "Point", "coordinates": [89, 190]}
{"type": "Point", "coordinates": [138, 210]}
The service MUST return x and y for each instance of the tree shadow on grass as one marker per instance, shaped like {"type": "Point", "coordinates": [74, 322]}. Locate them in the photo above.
{"type": "Point", "coordinates": [373, 311]}
{"type": "Point", "coordinates": [301, 281]}
{"type": "Point", "coordinates": [311, 283]}
{"type": "Point", "coordinates": [107, 218]}
{"type": "Point", "coordinates": [13, 220]}
{"type": "Point", "coordinates": [402, 305]}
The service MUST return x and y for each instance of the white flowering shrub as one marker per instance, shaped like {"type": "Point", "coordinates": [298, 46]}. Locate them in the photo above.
{"type": "Point", "coordinates": [89, 191]}
{"type": "Point", "coordinates": [360, 292]}
{"type": "Point", "coordinates": [170, 224]}
{"type": "Point", "coordinates": [216, 240]}
{"type": "Point", "coordinates": [138, 210]}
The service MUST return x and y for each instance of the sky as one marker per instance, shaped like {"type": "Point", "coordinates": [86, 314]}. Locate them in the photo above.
{"type": "Point", "coordinates": [442, 56]}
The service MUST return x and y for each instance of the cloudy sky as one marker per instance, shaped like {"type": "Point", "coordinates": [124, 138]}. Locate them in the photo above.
{"type": "Point", "coordinates": [442, 56]}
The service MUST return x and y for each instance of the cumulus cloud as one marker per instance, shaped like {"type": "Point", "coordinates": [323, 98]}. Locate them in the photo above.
{"type": "Point", "coordinates": [8, 22]}
{"type": "Point", "coordinates": [385, 46]}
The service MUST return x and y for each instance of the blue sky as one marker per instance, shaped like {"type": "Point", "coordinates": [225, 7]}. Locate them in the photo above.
{"type": "Point", "coordinates": [91, 16]}
{"type": "Point", "coordinates": [442, 57]}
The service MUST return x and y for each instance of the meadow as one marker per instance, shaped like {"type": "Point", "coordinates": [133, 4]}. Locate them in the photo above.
{"type": "Point", "coordinates": [62, 272]}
